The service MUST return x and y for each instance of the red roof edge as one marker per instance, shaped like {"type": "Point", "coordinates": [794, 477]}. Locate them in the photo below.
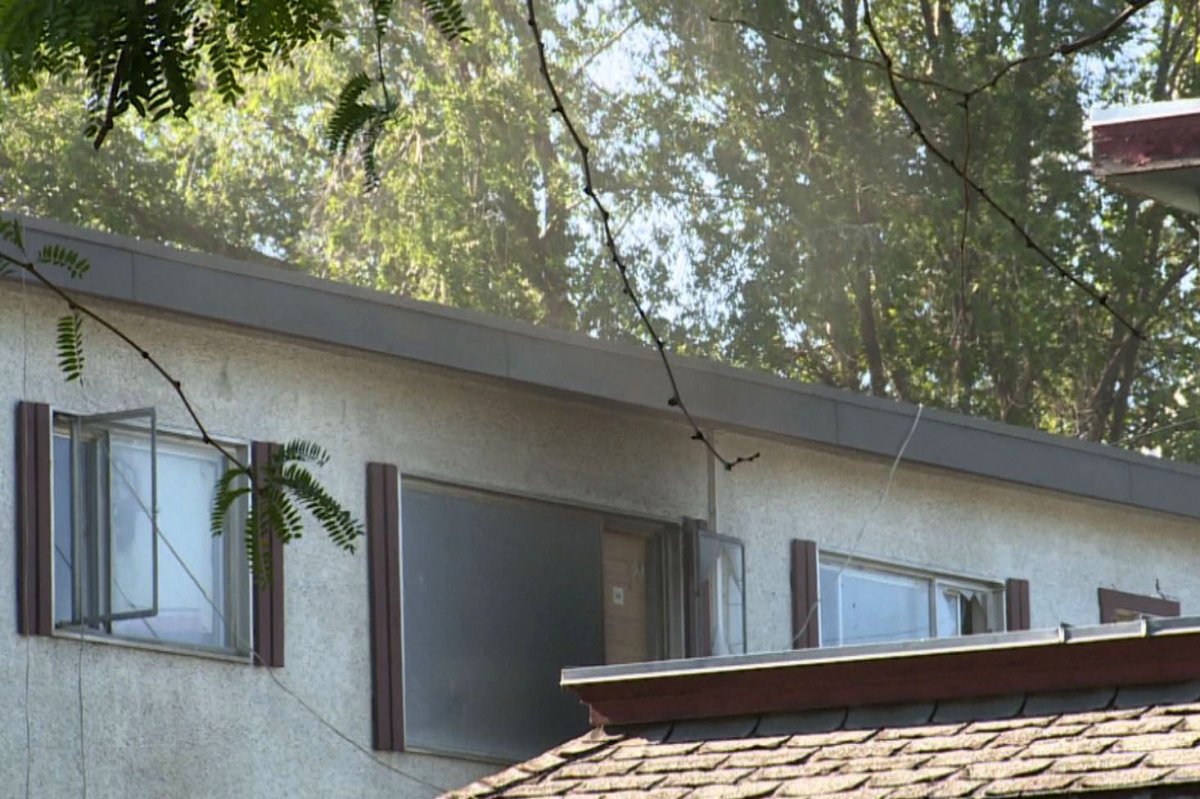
{"type": "Point", "coordinates": [1135, 653]}
{"type": "Point", "coordinates": [1143, 141]}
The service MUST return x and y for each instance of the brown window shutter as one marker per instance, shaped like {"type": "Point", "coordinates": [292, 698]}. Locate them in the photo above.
{"type": "Point", "coordinates": [1113, 602]}
{"type": "Point", "coordinates": [35, 537]}
{"type": "Point", "coordinates": [806, 616]}
{"type": "Point", "coordinates": [1016, 597]}
{"type": "Point", "coordinates": [268, 599]}
{"type": "Point", "coordinates": [383, 570]}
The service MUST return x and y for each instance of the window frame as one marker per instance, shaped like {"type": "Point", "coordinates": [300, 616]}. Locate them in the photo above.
{"type": "Point", "coordinates": [237, 583]}
{"type": "Point", "coordinates": [937, 579]}
{"type": "Point", "coordinates": [1112, 602]}
{"type": "Point", "coordinates": [698, 642]}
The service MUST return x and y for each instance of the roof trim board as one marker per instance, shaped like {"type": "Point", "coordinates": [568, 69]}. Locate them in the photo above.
{"type": "Point", "coordinates": [287, 303]}
{"type": "Point", "coordinates": [1147, 652]}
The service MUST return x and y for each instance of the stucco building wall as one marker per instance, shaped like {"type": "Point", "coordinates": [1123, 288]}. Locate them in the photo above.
{"type": "Point", "coordinates": [175, 725]}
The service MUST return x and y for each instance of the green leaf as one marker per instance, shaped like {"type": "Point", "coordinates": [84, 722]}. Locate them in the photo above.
{"type": "Point", "coordinates": [70, 346]}
{"type": "Point", "coordinates": [360, 123]}
{"type": "Point", "coordinates": [229, 489]}
{"type": "Point", "coordinates": [66, 258]}
{"type": "Point", "coordinates": [282, 490]}
{"type": "Point", "coordinates": [11, 231]}
{"type": "Point", "coordinates": [449, 18]}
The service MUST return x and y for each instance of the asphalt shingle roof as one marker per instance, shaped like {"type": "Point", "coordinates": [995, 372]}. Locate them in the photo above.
{"type": "Point", "coordinates": [1040, 745]}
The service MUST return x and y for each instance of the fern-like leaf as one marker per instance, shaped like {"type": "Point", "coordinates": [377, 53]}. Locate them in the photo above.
{"type": "Point", "coordinates": [359, 123]}
{"type": "Point", "coordinates": [281, 490]}
{"type": "Point", "coordinates": [65, 258]}
{"type": "Point", "coordinates": [350, 115]}
{"type": "Point", "coordinates": [70, 346]}
{"type": "Point", "coordinates": [229, 489]}
{"type": "Point", "coordinates": [12, 232]}
{"type": "Point", "coordinates": [449, 18]}
{"type": "Point", "coordinates": [302, 451]}
{"type": "Point", "coordinates": [337, 522]}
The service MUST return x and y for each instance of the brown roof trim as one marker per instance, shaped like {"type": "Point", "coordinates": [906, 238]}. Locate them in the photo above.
{"type": "Point", "coordinates": [1112, 601]}
{"type": "Point", "coordinates": [1126, 654]}
{"type": "Point", "coordinates": [1147, 144]}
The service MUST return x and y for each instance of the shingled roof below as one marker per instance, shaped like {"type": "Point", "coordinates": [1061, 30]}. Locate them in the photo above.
{"type": "Point", "coordinates": [1135, 741]}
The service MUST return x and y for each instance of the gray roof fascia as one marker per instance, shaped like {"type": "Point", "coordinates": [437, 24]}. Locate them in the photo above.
{"type": "Point", "coordinates": [288, 303]}
{"type": "Point", "coordinates": [757, 661]}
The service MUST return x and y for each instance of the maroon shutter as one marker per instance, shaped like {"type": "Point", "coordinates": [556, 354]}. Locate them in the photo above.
{"type": "Point", "coordinates": [35, 538]}
{"type": "Point", "coordinates": [1016, 596]}
{"type": "Point", "coordinates": [268, 599]}
{"type": "Point", "coordinates": [1112, 602]}
{"type": "Point", "coordinates": [806, 617]}
{"type": "Point", "coordinates": [383, 572]}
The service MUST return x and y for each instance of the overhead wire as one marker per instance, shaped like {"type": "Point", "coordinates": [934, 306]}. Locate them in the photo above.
{"type": "Point", "coordinates": [25, 459]}
{"type": "Point", "coordinates": [242, 643]}
{"type": "Point", "coordinates": [866, 520]}
{"type": "Point", "coordinates": [28, 267]}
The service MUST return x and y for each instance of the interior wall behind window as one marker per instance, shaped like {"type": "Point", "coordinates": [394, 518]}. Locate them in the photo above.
{"type": "Point", "coordinates": [499, 595]}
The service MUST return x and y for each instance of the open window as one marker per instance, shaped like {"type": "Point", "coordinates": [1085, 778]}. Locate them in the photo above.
{"type": "Point", "coordinates": [532, 587]}
{"type": "Point", "coordinates": [134, 556]}
{"type": "Point", "coordinates": [105, 504]}
{"type": "Point", "coordinates": [715, 580]}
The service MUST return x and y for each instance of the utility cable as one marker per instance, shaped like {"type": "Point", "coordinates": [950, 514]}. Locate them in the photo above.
{"type": "Point", "coordinates": [862, 528]}
{"type": "Point", "coordinates": [241, 642]}
{"type": "Point", "coordinates": [25, 459]}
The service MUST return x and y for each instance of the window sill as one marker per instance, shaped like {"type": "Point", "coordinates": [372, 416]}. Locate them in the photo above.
{"type": "Point", "coordinates": [149, 646]}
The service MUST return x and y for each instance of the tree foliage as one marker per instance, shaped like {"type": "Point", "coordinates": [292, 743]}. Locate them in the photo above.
{"type": "Point", "coordinates": [769, 198]}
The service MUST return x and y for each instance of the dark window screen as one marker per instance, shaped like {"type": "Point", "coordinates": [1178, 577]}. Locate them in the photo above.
{"type": "Point", "coordinates": [499, 596]}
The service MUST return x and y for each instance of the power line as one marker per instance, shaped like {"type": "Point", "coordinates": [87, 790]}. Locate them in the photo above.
{"type": "Point", "coordinates": [862, 528]}
{"type": "Point", "coordinates": [610, 243]}
{"type": "Point", "coordinates": [275, 679]}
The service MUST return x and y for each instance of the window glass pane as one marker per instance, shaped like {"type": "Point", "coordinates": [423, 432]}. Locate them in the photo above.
{"type": "Point", "coordinates": [879, 606]}
{"type": "Point", "coordinates": [499, 596]}
{"type": "Point", "coordinates": [187, 477]}
{"type": "Point", "coordinates": [951, 608]}
{"type": "Point", "coordinates": [64, 533]}
{"type": "Point", "coordinates": [721, 597]}
{"type": "Point", "coordinates": [830, 601]}
{"type": "Point", "coordinates": [131, 465]}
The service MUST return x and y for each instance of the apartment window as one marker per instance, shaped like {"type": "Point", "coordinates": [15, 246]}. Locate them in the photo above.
{"type": "Point", "coordinates": [867, 603]}
{"type": "Point", "coordinates": [114, 573]}
{"type": "Point", "coordinates": [719, 599]}
{"type": "Point", "coordinates": [1117, 606]}
{"type": "Point", "coordinates": [499, 593]}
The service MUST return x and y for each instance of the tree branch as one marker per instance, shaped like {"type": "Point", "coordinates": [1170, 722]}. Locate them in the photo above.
{"type": "Point", "coordinates": [176, 384]}
{"type": "Point", "coordinates": [610, 243]}
{"type": "Point", "coordinates": [834, 52]}
{"type": "Point", "coordinates": [1099, 297]}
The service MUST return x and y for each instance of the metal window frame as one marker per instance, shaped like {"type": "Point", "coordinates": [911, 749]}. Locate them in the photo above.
{"type": "Point", "coordinates": [236, 589]}
{"type": "Point", "coordinates": [93, 505]}
{"type": "Point", "coordinates": [936, 580]}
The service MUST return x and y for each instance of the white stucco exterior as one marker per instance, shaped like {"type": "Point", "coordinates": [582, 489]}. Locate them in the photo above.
{"type": "Point", "coordinates": [158, 724]}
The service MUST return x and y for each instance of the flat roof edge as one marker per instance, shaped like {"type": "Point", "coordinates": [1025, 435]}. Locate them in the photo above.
{"type": "Point", "coordinates": [287, 303]}
{"type": "Point", "coordinates": [1142, 653]}
{"type": "Point", "coordinates": [1115, 115]}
